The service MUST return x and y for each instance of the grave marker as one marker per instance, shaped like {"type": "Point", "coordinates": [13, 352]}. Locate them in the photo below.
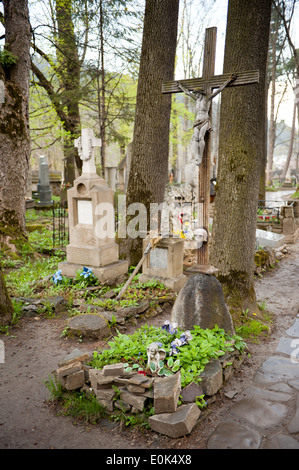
{"type": "Point", "coordinates": [91, 220]}
{"type": "Point", "coordinates": [43, 187]}
{"type": "Point", "coordinates": [207, 83]}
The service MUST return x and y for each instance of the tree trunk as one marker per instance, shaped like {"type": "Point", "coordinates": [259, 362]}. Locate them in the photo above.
{"type": "Point", "coordinates": [69, 73]}
{"type": "Point", "coordinates": [291, 144]}
{"type": "Point", "coordinates": [14, 123]}
{"type": "Point", "coordinates": [241, 152]}
{"type": "Point", "coordinates": [149, 164]}
{"type": "Point", "coordinates": [6, 307]}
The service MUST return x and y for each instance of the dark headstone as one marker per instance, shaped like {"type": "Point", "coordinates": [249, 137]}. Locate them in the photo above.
{"type": "Point", "coordinates": [201, 302]}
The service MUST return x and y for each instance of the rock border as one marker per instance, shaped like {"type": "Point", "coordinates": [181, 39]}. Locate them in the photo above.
{"type": "Point", "coordinates": [116, 389]}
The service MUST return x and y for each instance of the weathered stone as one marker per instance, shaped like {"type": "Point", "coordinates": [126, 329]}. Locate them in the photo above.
{"type": "Point", "coordinates": [261, 413]}
{"type": "Point", "coordinates": [75, 356]}
{"type": "Point", "coordinates": [135, 389]}
{"type": "Point", "coordinates": [277, 369]}
{"type": "Point", "coordinates": [105, 394]}
{"type": "Point", "coordinates": [166, 393]}
{"type": "Point", "coordinates": [114, 370]}
{"type": "Point", "coordinates": [129, 312]}
{"type": "Point", "coordinates": [108, 404]}
{"type": "Point", "coordinates": [140, 379]}
{"type": "Point", "coordinates": [64, 371]}
{"type": "Point", "coordinates": [281, 441]}
{"type": "Point", "coordinates": [133, 400]}
{"type": "Point", "coordinates": [212, 379]}
{"type": "Point", "coordinates": [294, 329]}
{"type": "Point", "coordinates": [293, 427]}
{"type": "Point", "coordinates": [233, 436]}
{"type": "Point", "coordinates": [122, 405]}
{"type": "Point", "coordinates": [89, 325]}
{"type": "Point", "coordinates": [190, 392]}
{"type": "Point", "coordinates": [267, 394]}
{"type": "Point", "coordinates": [176, 424]}
{"type": "Point", "coordinates": [201, 302]}
{"type": "Point", "coordinates": [98, 380]}
{"type": "Point", "coordinates": [74, 381]}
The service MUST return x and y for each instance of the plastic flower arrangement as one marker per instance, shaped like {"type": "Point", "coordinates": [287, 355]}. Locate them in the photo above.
{"type": "Point", "coordinates": [57, 278]}
{"type": "Point", "coordinates": [178, 342]}
{"type": "Point", "coordinates": [86, 272]}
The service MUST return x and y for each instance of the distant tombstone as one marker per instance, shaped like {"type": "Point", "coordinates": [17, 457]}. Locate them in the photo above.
{"type": "Point", "coordinates": [201, 302]}
{"type": "Point", "coordinates": [43, 186]}
{"type": "Point", "coordinates": [91, 220]}
{"type": "Point", "coordinates": [165, 264]}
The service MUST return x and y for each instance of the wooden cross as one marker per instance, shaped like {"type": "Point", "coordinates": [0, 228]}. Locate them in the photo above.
{"type": "Point", "coordinates": [208, 82]}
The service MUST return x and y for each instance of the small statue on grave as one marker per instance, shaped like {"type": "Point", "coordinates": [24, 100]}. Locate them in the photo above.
{"type": "Point", "coordinates": [202, 118]}
{"type": "Point", "coordinates": [155, 354]}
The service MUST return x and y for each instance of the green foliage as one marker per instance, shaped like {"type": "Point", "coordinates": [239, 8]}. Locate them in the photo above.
{"type": "Point", "coordinates": [7, 59]}
{"type": "Point", "coordinates": [191, 359]}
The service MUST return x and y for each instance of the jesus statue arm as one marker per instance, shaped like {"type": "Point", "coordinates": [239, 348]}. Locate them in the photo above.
{"type": "Point", "coordinates": [185, 90]}
{"type": "Point", "coordinates": [220, 89]}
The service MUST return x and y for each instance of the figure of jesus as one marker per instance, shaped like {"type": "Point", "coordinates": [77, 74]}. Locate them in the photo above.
{"type": "Point", "coordinates": [202, 117]}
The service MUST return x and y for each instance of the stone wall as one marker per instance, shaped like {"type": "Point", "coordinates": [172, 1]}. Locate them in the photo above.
{"type": "Point", "coordinates": [175, 410]}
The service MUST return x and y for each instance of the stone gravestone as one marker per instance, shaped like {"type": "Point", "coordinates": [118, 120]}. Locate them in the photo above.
{"type": "Point", "coordinates": [165, 264]}
{"type": "Point", "coordinates": [201, 302]}
{"type": "Point", "coordinates": [91, 220]}
{"type": "Point", "coordinates": [43, 186]}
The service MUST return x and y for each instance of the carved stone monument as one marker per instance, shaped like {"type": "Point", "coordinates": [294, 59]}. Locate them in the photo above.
{"type": "Point", "coordinates": [165, 264]}
{"type": "Point", "coordinates": [43, 186]}
{"type": "Point", "coordinates": [91, 220]}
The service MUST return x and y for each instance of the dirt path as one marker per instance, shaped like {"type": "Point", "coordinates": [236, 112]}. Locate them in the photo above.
{"type": "Point", "coordinates": [27, 422]}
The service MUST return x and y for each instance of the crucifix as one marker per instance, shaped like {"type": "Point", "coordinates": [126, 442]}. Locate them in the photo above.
{"type": "Point", "coordinates": [86, 145]}
{"type": "Point", "coordinates": [201, 89]}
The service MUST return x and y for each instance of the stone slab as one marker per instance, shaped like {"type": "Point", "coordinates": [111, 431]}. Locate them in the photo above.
{"type": "Point", "coordinates": [230, 435]}
{"type": "Point", "coordinates": [64, 371]}
{"type": "Point", "coordinates": [287, 346]}
{"type": "Point", "coordinates": [109, 272]}
{"type": "Point", "coordinates": [190, 392]}
{"type": "Point", "coordinates": [176, 424]}
{"type": "Point", "coordinates": [98, 380]}
{"type": "Point", "coordinates": [293, 426]}
{"type": "Point", "coordinates": [74, 356]}
{"type": "Point", "coordinates": [75, 380]}
{"type": "Point", "coordinates": [294, 329]}
{"type": "Point", "coordinates": [267, 394]}
{"type": "Point", "coordinates": [261, 413]}
{"type": "Point", "coordinates": [137, 402]}
{"type": "Point", "coordinates": [212, 378]}
{"type": "Point", "coordinates": [166, 393]}
{"type": "Point", "coordinates": [281, 441]}
{"type": "Point", "coordinates": [90, 325]}
{"type": "Point", "coordinates": [277, 369]}
{"type": "Point", "coordinates": [114, 370]}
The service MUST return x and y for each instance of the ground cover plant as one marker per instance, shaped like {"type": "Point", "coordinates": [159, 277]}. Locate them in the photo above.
{"type": "Point", "coordinates": [189, 356]}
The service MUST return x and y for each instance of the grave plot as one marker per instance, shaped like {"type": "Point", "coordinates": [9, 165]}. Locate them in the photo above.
{"type": "Point", "coordinates": [162, 377]}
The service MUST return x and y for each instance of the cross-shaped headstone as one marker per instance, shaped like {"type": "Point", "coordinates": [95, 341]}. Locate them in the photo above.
{"type": "Point", "coordinates": [86, 145]}
{"type": "Point", "coordinates": [207, 83]}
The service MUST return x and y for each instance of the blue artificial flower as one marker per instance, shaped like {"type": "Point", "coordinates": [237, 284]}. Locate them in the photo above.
{"type": "Point", "coordinates": [172, 329]}
{"type": "Point", "coordinates": [57, 277]}
{"type": "Point", "coordinates": [86, 272]}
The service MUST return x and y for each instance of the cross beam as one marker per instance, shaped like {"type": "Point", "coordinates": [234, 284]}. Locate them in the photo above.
{"type": "Point", "coordinates": [208, 82]}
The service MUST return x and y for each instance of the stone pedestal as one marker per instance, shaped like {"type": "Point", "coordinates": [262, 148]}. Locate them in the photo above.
{"type": "Point", "coordinates": [91, 226]}
{"type": "Point", "coordinates": [165, 264]}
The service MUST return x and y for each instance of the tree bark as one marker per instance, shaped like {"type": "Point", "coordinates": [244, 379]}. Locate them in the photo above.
{"type": "Point", "coordinates": [241, 152]}
{"type": "Point", "coordinates": [14, 135]}
{"type": "Point", "coordinates": [14, 123]}
{"type": "Point", "coordinates": [149, 164]}
{"type": "Point", "coordinates": [6, 307]}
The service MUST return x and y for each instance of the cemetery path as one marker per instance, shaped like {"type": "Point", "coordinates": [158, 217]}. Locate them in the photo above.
{"type": "Point", "coordinates": [34, 348]}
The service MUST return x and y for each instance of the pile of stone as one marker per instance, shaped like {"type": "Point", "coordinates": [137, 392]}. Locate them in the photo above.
{"type": "Point", "coordinates": [132, 392]}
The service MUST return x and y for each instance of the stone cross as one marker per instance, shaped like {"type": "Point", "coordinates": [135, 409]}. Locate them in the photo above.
{"type": "Point", "coordinates": [207, 83]}
{"type": "Point", "coordinates": [86, 145]}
